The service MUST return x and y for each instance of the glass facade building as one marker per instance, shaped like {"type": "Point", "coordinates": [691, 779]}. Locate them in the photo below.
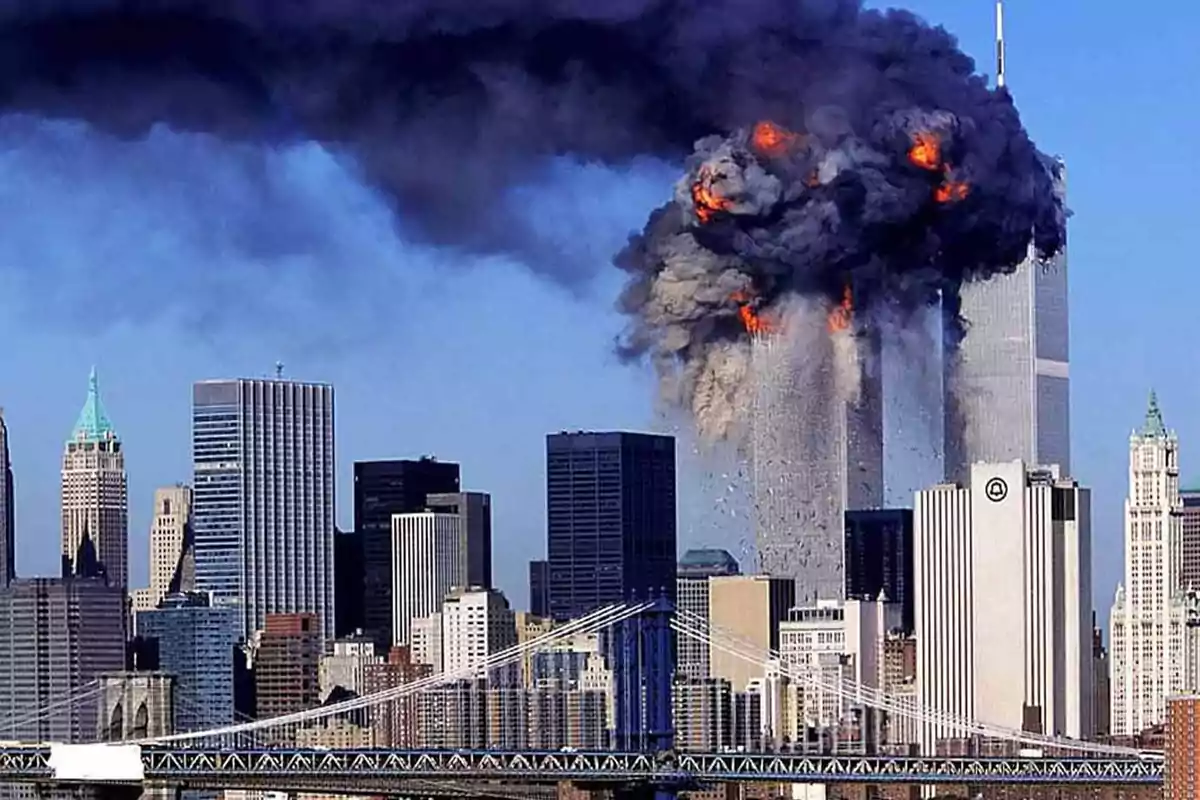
{"type": "Point", "coordinates": [1008, 386]}
{"type": "Point", "coordinates": [263, 481]}
{"type": "Point", "coordinates": [611, 519]}
{"type": "Point", "coordinates": [879, 558]}
{"type": "Point", "coordinates": [195, 643]}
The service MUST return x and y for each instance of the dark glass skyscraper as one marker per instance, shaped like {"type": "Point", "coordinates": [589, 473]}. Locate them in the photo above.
{"type": "Point", "coordinates": [610, 519]}
{"type": "Point", "coordinates": [347, 583]}
{"type": "Point", "coordinates": [539, 588]}
{"type": "Point", "coordinates": [8, 524]}
{"type": "Point", "coordinates": [381, 489]}
{"type": "Point", "coordinates": [879, 557]}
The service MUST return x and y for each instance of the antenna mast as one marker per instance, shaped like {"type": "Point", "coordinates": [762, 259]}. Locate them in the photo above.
{"type": "Point", "coordinates": [999, 43]}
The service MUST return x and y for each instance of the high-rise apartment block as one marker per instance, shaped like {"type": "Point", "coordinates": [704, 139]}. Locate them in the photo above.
{"type": "Point", "coordinates": [610, 519]}
{"type": "Point", "coordinates": [8, 522]}
{"type": "Point", "coordinates": [1002, 585]}
{"type": "Point", "coordinates": [879, 553]}
{"type": "Point", "coordinates": [263, 484]}
{"type": "Point", "coordinates": [172, 556]}
{"type": "Point", "coordinates": [287, 665]}
{"type": "Point", "coordinates": [194, 641]}
{"type": "Point", "coordinates": [691, 599]}
{"type": "Point", "coordinates": [57, 636]}
{"type": "Point", "coordinates": [1148, 648]}
{"type": "Point", "coordinates": [475, 511]}
{"type": "Point", "coordinates": [428, 559]}
{"type": "Point", "coordinates": [345, 667]}
{"type": "Point", "coordinates": [1008, 385]}
{"type": "Point", "coordinates": [95, 503]}
{"type": "Point", "coordinates": [381, 490]}
{"type": "Point", "coordinates": [1181, 772]}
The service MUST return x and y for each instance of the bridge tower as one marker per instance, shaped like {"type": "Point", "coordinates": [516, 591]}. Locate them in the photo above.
{"type": "Point", "coordinates": [643, 664]}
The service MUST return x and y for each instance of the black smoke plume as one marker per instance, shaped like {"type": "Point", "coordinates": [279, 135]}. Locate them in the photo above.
{"type": "Point", "coordinates": [448, 104]}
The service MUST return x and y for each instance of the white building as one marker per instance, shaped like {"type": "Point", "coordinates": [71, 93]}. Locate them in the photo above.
{"type": "Point", "coordinates": [425, 641]}
{"type": "Point", "coordinates": [1002, 587]}
{"type": "Point", "coordinates": [346, 666]}
{"type": "Point", "coordinates": [1148, 653]}
{"type": "Point", "coordinates": [95, 500]}
{"type": "Point", "coordinates": [831, 643]}
{"type": "Point", "coordinates": [168, 539]}
{"type": "Point", "coordinates": [475, 624]}
{"type": "Point", "coordinates": [428, 562]}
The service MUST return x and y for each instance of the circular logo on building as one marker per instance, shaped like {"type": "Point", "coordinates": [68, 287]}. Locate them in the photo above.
{"type": "Point", "coordinates": [996, 489]}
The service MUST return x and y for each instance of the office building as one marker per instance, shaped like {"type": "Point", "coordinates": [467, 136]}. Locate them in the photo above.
{"type": "Point", "coordinates": [394, 723]}
{"type": "Point", "coordinates": [346, 666]}
{"type": "Point", "coordinates": [8, 522]}
{"type": "Point", "coordinates": [1007, 387]}
{"type": "Point", "coordinates": [57, 636]}
{"type": "Point", "coordinates": [831, 643]}
{"type": "Point", "coordinates": [475, 511]}
{"type": "Point", "coordinates": [194, 641]}
{"type": "Point", "coordinates": [263, 508]}
{"type": "Point", "coordinates": [1101, 689]}
{"type": "Point", "coordinates": [172, 556]}
{"type": "Point", "coordinates": [95, 504]}
{"type": "Point", "coordinates": [817, 449]}
{"type": "Point", "coordinates": [348, 571]}
{"type": "Point", "coordinates": [539, 588]}
{"type": "Point", "coordinates": [879, 552]}
{"type": "Point", "coordinates": [428, 559]}
{"type": "Point", "coordinates": [1147, 648]}
{"type": "Point", "coordinates": [610, 519]}
{"type": "Point", "coordinates": [1189, 530]}
{"type": "Point", "coordinates": [287, 665]}
{"type": "Point", "coordinates": [1002, 599]}
{"type": "Point", "coordinates": [382, 489]}
{"type": "Point", "coordinates": [477, 623]}
{"type": "Point", "coordinates": [749, 608]}
{"type": "Point", "coordinates": [691, 599]}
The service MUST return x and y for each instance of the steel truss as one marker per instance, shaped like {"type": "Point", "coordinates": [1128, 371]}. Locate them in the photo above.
{"type": "Point", "coordinates": [167, 764]}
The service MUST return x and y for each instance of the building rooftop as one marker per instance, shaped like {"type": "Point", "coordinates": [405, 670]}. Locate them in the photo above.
{"type": "Point", "coordinates": [705, 562]}
{"type": "Point", "coordinates": [1154, 422]}
{"type": "Point", "coordinates": [93, 424]}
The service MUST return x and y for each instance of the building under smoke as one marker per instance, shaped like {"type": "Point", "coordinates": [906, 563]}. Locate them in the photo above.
{"type": "Point", "coordinates": [816, 447]}
{"type": "Point", "coordinates": [1008, 385]}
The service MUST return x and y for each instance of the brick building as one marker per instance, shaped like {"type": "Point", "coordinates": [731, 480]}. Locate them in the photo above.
{"type": "Point", "coordinates": [286, 665]}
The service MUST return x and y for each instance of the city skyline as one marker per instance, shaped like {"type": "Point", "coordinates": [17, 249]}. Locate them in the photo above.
{"type": "Point", "coordinates": [150, 361]}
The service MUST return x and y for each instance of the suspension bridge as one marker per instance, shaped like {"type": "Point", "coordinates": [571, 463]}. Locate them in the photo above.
{"type": "Point", "coordinates": [639, 758]}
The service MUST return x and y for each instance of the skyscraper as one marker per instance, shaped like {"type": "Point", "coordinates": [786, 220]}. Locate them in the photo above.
{"type": "Point", "coordinates": [8, 524]}
{"type": "Point", "coordinates": [263, 475]}
{"type": "Point", "coordinates": [610, 519]}
{"type": "Point", "coordinates": [475, 510]}
{"type": "Point", "coordinates": [95, 504]}
{"type": "Point", "coordinates": [1147, 650]}
{"type": "Point", "coordinates": [57, 636]}
{"type": "Point", "coordinates": [1002, 583]}
{"type": "Point", "coordinates": [427, 550]}
{"type": "Point", "coordinates": [879, 558]}
{"type": "Point", "coordinates": [539, 588]}
{"type": "Point", "coordinates": [348, 583]}
{"type": "Point", "coordinates": [195, 643]}
{"type": "Point", "coordinates": [692, 596]}
{"type": "Point", "coordinates": [381, 489]}
{"type": "Point", "coordinates": [172, 555]}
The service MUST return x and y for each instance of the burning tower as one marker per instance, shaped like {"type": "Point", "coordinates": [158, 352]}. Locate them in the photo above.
{"type": "Point", "coordinates": [815, 443]}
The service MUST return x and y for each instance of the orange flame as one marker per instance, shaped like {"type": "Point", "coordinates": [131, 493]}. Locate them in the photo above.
{"type": "Point", "coordinates": [952, 191]}
{"type": "Point", "coordinates": [772, 140]}
{"type": "Point", "coordinates": [751, 320]}
{"type": "Point", "coordinates": [705, 199]}
{"type": "Point", "coordinates": [840, 315]}
{"type": "Point", "coordinates": [926, 151]}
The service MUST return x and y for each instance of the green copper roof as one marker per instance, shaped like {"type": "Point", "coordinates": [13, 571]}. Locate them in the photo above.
{"type": "Point", "coordinates": [1154, 421]}
{"type": "Point", "coordinates": [93, 424]}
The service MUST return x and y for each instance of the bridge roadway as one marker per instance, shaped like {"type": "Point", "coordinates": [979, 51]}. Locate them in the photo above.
{"type": "Point", "coordinates": [365, 770]}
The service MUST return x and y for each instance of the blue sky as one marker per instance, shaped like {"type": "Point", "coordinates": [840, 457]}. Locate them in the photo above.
{"type": "Point", "coordinates": [180, 258]}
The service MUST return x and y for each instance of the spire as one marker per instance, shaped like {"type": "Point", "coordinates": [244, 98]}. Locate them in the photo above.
{"type": "Point", "coordinates": [93, 424]}
{"type": "Point", "coordinates": [1154, 422]}
{"type": "Point", "coordinates": [999, 43]}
